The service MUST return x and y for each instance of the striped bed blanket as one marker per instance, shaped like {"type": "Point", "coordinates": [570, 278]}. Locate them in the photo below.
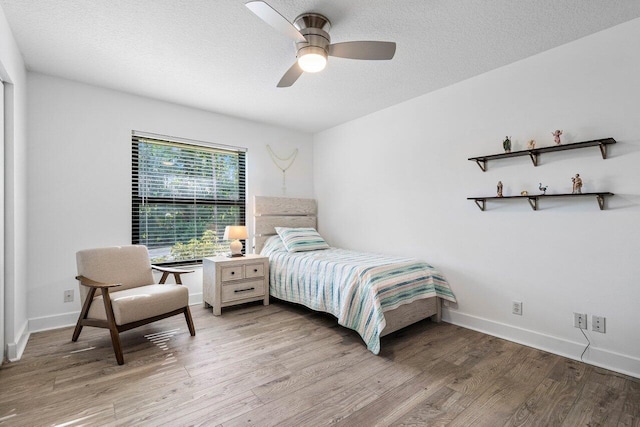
{"type": "Point", "coordinates": [355, 287]}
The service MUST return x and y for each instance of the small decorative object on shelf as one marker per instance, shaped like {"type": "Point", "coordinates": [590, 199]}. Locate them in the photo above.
{"type": "Point", "coordinates": [506, 144]}
{"type": "Point", "coordinates": [577, 184]}
{"type": "Point", "coordinates": [543, 188]}
{"type": "Point", "coordinates": [499, 189]}
{"type": "Point", "coordinates": [556, 136]}
{"type": "Point", "coordinates": [531, 144]}
{"type": "Point", "coordinates": [524, 193]}
{"type": "Point", "coordinates": [533, 153]}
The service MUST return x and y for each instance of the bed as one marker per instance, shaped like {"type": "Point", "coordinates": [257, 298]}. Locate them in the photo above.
{"type": "Point", "coordinates": [372, 294]}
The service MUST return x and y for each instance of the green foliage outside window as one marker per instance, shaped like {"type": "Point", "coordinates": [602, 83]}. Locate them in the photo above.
{"type": "Point", "coordinates": [184, 196]}
{"type": "Point", "coordinates": [208, 244]}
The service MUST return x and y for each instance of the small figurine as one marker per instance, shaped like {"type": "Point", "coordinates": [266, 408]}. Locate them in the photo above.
{"type": "Point", "coordinates": [577, 184]}
{"type": "Point", "coordinates": [543, 189]}
{"type": "Point", "coordinates": [531, 144]}
{"type": "Point", "coordinates": [524, 193]}
{"type": "Point", "coordinates": [500, 189]}
{"type": "Point", "coordinates": [506, 144]}
{"type": "Point", "coordinates": [556, 136]}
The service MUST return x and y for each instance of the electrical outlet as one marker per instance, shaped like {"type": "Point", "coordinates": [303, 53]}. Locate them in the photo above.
{"type": "Point", "coordinates": [68, 295]}
{"type": "Point", "coordinates": [598, 324]}
{"type": "Point", "coordinates": [516, 308]}
{"type": "Point", "coordinates": [580, 320]}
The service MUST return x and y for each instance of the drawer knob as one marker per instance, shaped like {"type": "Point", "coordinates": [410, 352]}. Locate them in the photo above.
{"type": "Point", "coordinates": [255, 270]}
{"type": "Point", "coordinates": [233, 272]}
{"type": "Point", "coordinates": [244, 290]}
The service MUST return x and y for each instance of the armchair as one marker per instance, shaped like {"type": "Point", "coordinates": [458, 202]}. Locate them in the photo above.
{"type": "Point", "coordinates": [119, 292]}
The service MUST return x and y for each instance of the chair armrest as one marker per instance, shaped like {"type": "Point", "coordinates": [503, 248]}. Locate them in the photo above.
{"type": "Point", "coordinates": [171, 270]}
{"type": "Point", "coordinates": [166, 271]}
{"type": "Point", "coordinates": [93, 284]}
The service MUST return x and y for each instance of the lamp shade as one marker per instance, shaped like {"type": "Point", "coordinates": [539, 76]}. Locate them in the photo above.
{"type": "Point", "coordinates": [235, 232]}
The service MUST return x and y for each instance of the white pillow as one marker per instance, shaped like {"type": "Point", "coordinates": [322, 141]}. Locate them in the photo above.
{"type": "Point", "coordinates": [273, 244]}
{"type": "Point", "coordinates": [301, 239]}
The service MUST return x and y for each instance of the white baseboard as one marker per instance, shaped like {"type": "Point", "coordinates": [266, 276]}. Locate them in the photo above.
{"type": "Point", "coordinates": [196, 298]}
{"type": "Point", "coordinates": [15, 349]}
{"type": "Point", "coordinates": [602, 358]}
{"type": "Point", "coordinates": [64, 320]}
{"type": "Point", "coordinates": [57, 321]}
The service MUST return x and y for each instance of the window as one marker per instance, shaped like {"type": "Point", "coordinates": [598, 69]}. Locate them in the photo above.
{"type": "Point", "coordinates": [183, 197]}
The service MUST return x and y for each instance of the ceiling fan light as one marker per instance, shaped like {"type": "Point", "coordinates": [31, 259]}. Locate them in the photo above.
{"type": "Point", "coordinates": [312, 59]}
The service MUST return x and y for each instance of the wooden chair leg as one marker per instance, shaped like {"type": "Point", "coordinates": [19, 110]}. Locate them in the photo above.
{"type": "Point", "coordinates": [117, 347]}
{"type": "Point", "coordinates": [187, 316]}
{"type": "Point", "coordinates": [164, 277]}
{"type": "Point", "coordinates": [83, 314]}
{"type": "Point", "coordinates": [76, 331]}
{"type": "Point", "coordinates": [113, 328]}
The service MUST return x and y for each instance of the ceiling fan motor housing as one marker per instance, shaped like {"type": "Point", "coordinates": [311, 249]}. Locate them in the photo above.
{"type": "Point", "coordinates": [313, 43]}
{"type": "Point", "coordinates": [314, 27]}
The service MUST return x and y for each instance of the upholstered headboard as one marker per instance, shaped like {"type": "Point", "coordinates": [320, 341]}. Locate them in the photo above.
{"type": "Point", "coordinates": [271, 212]}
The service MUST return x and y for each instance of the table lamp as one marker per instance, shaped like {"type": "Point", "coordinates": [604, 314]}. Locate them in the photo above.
{"type": "Point", "coordinates": [235, 233]}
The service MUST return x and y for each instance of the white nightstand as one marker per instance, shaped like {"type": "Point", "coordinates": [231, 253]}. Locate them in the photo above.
{"type": "Point", "coordinates": [231, 281]}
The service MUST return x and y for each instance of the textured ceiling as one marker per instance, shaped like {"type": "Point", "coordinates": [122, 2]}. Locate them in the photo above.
{"type": "Point", "coordinates": [216, 55]}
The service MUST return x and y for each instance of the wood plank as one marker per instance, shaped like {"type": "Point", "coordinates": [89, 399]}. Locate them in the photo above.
{"type": "Point", "coordinates": [336, 407]}
{"type": "Point", "coordinates": [263, 205]}
{"type": "Point", "coordinates": [504, 395]}
{"type": "Point", "coordinates": [267, 224]}
{"type": "Point", "coordinates": [631, 408]}
{"type": "Point", "coordinates": [551, 401]}
{"type": "Point", "coordinates": [282, 364]}
{"type": "Point", "coordinates": [397, 402]}
{"type": "Point", "coordinates": [437, 410]}
{"type": "Point", "coordinates": [204, 411]}
{"type": "Point", "coordinates": [288, 397]}
{"type": "Point", "coordinates": [479, 354]}
{"type": "Point", "coordinates": [599, 403]}
{"type": "Point", "coordinates": [495, 406]}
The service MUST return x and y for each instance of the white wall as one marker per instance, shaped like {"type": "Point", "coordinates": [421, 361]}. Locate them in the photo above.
{"type": "Point", "coordinates": [80, 177]}
{"type": "Point", "coordinates": [397, 180]}
{"type": "Point", "coordinates": [13, 301]}
{"type": "Point", "coordinates": [2, 348]}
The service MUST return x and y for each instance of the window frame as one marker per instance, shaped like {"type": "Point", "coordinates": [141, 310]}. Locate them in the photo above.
{"type": "Point", "coordinates": [137, 200]}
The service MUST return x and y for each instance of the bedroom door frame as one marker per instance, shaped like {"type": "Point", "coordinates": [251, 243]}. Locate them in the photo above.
{"type": "Point", "coordinates": [3, 351]}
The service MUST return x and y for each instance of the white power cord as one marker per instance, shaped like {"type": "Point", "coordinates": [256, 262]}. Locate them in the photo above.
{"type": "Point", "coordinates": [589, 344]}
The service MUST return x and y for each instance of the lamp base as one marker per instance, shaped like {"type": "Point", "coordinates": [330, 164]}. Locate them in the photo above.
{"type": "Point", "coordinates": [236, 248]}
{"type": "Point", "coordinates": [234, 255]}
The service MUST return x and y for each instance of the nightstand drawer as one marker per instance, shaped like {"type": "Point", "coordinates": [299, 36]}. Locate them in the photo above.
{"type": "Point", "coordinates": [232, 273]}
{"type": "Point", "coordinates": [236, 291]}
{"type": "Point", "coordinates": [253, 270]}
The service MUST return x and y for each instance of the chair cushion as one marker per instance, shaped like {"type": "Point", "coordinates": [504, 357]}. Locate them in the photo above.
{"type": "Point", "coordinates": [128, 265]}
{"type": "Point", "coordinates": [143, 302]}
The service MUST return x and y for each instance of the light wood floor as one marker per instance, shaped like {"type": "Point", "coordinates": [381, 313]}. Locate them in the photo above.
{"type": "Point", "coordinates": [284, 365]}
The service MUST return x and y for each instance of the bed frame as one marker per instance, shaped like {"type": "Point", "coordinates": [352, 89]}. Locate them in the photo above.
{"type": "Point", "coordinates": [271, 212]}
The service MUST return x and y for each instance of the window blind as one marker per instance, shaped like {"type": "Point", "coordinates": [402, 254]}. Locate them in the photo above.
{"type": "Point", "coordinates": [183, 197]}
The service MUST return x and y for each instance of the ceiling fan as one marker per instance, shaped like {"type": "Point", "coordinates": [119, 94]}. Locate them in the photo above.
{"type": "Point", "coordinates": [310, 32]}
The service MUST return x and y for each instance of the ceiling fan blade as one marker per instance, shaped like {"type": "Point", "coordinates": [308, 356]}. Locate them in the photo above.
{"type": "Point", "coordinates": [273, 18]}
{"type": "Point", "coordinates": [291, 75]}
{"type": "Point", "coordinates": [363, 50]}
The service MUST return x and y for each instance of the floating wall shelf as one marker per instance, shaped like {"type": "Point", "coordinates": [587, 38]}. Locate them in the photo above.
{"type": "Point", "coordinates": [533, 199]}
{"type": "Point", "coordinates": [533, 153]}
